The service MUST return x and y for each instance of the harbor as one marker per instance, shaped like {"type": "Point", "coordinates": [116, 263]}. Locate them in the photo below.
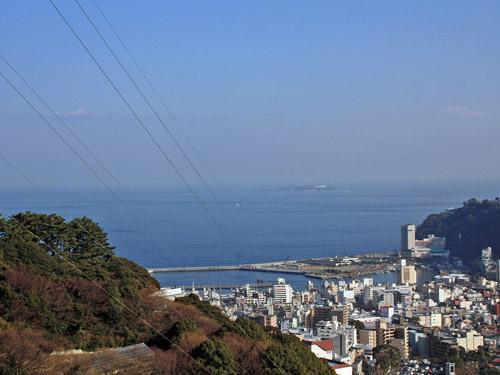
{"type": "Point", "coordinates": [220, 280]}
{"type": "Point", "coordinates": [316, 268]}
{"type": "Point", "coordinates": [379, 266]}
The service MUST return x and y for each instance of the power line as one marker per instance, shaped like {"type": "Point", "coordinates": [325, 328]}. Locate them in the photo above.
{"type": "Point", "coordinates": [151, 136]}
{"type": "Point", "coordinates": [68, 128]}
{"type": "Point", "coordinates": [58, 134]}
{"type": "Point", "coordinates": [159, 97]}
{"type": "Point", "coordinates": [19, 172]}
{"type": "Point", "coordinates": [148, 102]}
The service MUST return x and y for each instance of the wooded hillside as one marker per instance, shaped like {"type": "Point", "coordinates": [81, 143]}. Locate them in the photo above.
{"type": "Point", "coordinates": [467, 229]}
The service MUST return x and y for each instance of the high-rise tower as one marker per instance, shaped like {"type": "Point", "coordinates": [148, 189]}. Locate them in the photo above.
{"type": "Point", "coordinates": [407, 237]}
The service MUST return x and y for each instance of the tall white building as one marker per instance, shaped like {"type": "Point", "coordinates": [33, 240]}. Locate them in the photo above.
{"type": "Point", "coordinates": [487, 257]}
{"type": "Point", "coordinates": [282, 292]}
{"type": "Point", "coordinates": [408, 232]}
{"type": "Point", "coordinates": [431, 246]}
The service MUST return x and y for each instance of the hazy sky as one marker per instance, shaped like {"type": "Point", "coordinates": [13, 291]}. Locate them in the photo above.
{"type": "Point", "coordinates": [269, 91]}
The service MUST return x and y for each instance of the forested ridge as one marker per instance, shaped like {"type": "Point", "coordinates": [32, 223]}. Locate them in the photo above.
{"type": "Point", "coordinates": [39, 288]}
{"type": "Point", "coordinates": [62, 287]}
{"type": "Point", "coordinates": [467, 229]}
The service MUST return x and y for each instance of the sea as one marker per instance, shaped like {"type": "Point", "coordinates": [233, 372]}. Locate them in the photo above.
{"type": "Point", "coordinates": [168, 227]}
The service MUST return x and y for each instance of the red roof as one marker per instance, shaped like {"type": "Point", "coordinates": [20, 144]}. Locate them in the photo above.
{"type": "Point", "coordinates": [326, 345]}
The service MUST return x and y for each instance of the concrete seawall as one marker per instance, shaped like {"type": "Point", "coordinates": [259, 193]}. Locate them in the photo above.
{"type": "Point", "coordinates": [264, 267]}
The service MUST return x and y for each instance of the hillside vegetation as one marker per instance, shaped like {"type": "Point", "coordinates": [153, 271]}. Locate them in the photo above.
{"type": "Point", "coordinates": [47, 304]}
{"type": "Point", "coordinates": [467, 229]}
{"type": "Point", "coordinates": [40, 289]}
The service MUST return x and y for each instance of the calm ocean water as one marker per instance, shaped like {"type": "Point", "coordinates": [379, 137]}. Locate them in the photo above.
{"type": "Point", "coordinates": [168, 228]}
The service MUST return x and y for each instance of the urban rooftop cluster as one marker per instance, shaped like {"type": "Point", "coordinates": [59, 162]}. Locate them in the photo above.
{"type": "Point", "coordinates": [359, 327]}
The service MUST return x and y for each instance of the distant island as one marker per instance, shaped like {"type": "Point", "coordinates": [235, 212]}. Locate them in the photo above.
{"type": "Point", "coordinates": [306, 188]}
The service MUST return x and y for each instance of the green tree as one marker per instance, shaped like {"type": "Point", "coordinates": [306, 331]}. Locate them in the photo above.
{"type": "Point", "coordinates": [387, 357]}
{"type": "Point", "coordinates": [216, 357]}
{"type": "Point", "coordinates": [85, 238]}
{"type": "Point", "coordinates": [47, 229]}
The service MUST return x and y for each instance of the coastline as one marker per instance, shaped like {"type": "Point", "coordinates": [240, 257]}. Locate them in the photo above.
{"type": "Point", "coordinates": [216, 279]}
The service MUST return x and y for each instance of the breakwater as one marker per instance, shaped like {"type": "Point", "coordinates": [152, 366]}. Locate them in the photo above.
{"type": "Point", "coordinates": [193, 269]}
{"type": "Point", "coordinates": [261, 267]}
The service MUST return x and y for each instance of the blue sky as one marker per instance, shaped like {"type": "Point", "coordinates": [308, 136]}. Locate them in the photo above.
{"type": "Point", "coordinates": [274, 91]}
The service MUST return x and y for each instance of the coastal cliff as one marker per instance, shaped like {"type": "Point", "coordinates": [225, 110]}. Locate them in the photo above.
{"type": "Point", "coordinates": [467, 229]}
